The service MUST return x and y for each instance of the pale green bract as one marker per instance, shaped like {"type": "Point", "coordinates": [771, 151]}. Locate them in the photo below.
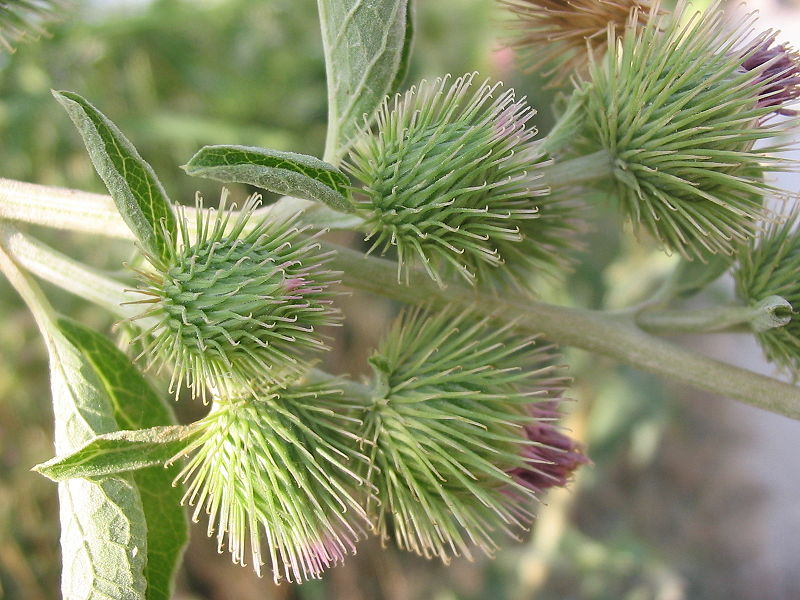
{"type": "Point", "coordinates": [118, 452]}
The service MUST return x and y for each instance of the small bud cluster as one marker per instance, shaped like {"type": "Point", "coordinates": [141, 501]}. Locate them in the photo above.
{"type": "Point", "coordinates": [770, 267]}
{"type": "Point", "coordinates": [237, 306]}
{"type": "Point", "coordinates": [442, 454]}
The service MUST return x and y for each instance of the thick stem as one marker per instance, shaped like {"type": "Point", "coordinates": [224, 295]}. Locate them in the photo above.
{"type": "Point", "coordinates": [615, 336]}
{"type": "Point", "coordinates": [66, 273]}
{"type": "Point", "coordinates": [72, 210]}
{"type": "Point", "coordinates": [773, 311]}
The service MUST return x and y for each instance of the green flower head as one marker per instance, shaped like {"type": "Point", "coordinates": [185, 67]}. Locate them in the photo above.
{"type": "Point", "coordinates": [770, 267]}
{"type": "Point", "coordinates": [279, 469]}
{"type": "Point", "coordinates": [682, 107]}
{"type": "Point", "coordinates": [447, 432]}
{"type": "Point", "coordinates": [450, 180]}
{"type": "Point", "coordinates": [239, 305]}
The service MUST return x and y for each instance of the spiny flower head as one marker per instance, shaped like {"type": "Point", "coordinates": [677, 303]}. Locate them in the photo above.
{"type": "Point", "coordinates": [450, 180]}
{"type": "Point", "coordinates": [237, 306]}
{"type": "Point", "coordinates": [447, 430]}
{"type": "Point", "coordinates": [279, 468]}
{"type": "Point", "coordinates": [21, 18]}
{"type": "Point", "coordinates": [563, 34]}
{"type": "Point", "coordinates": [552, 457]}
{"type": "Point", "coordinates": [679, 106]}
{"type": "Point", "coordinates": [770, 266]}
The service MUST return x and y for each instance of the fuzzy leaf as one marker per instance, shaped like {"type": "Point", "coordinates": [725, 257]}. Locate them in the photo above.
{"type": "Point", "coordinates": [103, 528]}
{"type": "Point", "coordinates": [408, 42]}
{"type": "Point", "coordinates": [136, 405]}
{"type": "Point", "coordinates": [137, 192]}
{"type": "Point", "coordinates": [119, 452]}
{"type": "Point", "coordinates": [365, 49]}
{"type": "Point", "coordinates": [297, 175]}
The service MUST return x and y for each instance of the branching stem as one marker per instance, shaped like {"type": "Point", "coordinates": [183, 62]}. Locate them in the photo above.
{"type": "Point", "coordinates": [614, 335]}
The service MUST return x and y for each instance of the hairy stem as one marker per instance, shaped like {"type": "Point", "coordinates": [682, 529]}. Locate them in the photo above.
{"type": "Point", "coordinates": [71, 210]}
{"type": "Point", "coordinates": [612, 335]}
{"type": "Point", "coordinates": [30, 292]}
{"type": "Point", "coordinates": [73, 276]}
{"type": "Point", "coordinates": [616, 336]}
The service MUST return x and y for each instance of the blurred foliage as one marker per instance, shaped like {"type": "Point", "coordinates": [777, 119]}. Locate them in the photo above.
{"type": "Point", "coordinates": [647, 521]}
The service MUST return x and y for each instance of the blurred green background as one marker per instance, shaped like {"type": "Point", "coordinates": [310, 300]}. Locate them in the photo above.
{"type": "Point", "coordinates": [666, 512]}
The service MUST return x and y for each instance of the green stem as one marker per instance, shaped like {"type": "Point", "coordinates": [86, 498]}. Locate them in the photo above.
{"type": "Point", "coordinates": [353, 390]}
{"type": "Point", "coordinates": [705, 320]}
{"type": "Point", "coordinates": [31, 293]}
{"type": "Point", "coordinates": [615, 336]}
{"type": "Point", "coordinates": [773, 311]}
{"type": "Point", "coordinates": [73, 276]}
{"type": "Point", "coordinates": [72, 210]}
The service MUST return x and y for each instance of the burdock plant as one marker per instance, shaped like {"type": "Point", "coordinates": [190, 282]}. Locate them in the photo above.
{"type": "Point", "coordinates": [681, 111]}
{"type": "Point", "coordinates": [451, 178]}
{"type": "Point", "coordinates": [236, 303]}
{"type": "Point", "coordinates": [446, 429]}
{"type": "Point", "coordinates": [456, 438]}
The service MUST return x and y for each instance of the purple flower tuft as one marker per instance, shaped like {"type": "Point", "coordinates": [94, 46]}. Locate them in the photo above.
{"type": "Point", "coordinates": [553, 457]}
{"type": "Point", "coordinates": [779, 74]}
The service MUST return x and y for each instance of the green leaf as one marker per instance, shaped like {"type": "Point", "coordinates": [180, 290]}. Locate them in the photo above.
{"type": "Point", "coordinates": [103, 527]}
{"type": "Point", "coordinates": [286, 173]}
{"type": "Point", "coordinates": [136, 405]}
{"type": "Point", "coordinates": [137, 192]}
{"type": "Point", "coordinates": [118, 452]}
{"type": "Point", "coordinates": [365, 44]}
{"type": "Point", "coordinates": [405, 57]}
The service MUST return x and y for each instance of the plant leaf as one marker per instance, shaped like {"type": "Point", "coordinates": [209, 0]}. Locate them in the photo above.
{"type": "Point", "coordinates": [365, 44]}
{"type": "Point", "coordinates": [118, 452]}
{"type": "Point", "coordinates": [408, 42]}
{"type": "Point", "coordinates": [103, 527]}
{"type": "Point", "coordinates": [297, 175]}
{"type": "Point", "coordinates": [136, 405]}
{"type": "Point", "coordinates": [137, 192]}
